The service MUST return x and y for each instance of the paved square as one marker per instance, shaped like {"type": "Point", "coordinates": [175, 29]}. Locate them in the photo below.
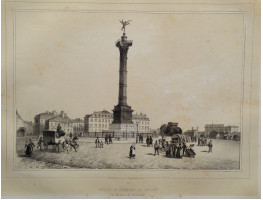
{"type": "Point", "coordinates": [225, 156]}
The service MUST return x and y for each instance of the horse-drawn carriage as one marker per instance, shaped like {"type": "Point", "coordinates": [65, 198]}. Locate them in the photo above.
{"type": "Point", "coordinates": [58, 141]}
{"type": "Point", "coordinates": [51, 138]}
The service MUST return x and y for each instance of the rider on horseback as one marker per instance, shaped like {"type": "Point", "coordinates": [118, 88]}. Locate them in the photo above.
{"type": "Point", "coordinates": [58, 128]}
{"type": "Point", "coordinates": [60, 132]}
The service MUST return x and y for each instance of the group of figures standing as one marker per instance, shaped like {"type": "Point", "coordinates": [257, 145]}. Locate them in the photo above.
{"type": "Point", "coordinates": [139, 138]}
{"type": "Point", "coordinates": [178, 150]}
{"type": "Point", "coordinates": [202, 141]}
{"type": "Point", "coordinates": [99, 143]}
{"type": "Point", "coordinates": [149, 141]}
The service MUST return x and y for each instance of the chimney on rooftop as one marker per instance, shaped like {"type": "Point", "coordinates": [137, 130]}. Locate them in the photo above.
{"type": "Point", "coordinates": [62, 114]}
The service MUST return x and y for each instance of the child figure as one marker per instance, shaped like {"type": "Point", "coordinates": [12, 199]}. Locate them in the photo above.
{"type": "Point", "coordinates": [101, 144]}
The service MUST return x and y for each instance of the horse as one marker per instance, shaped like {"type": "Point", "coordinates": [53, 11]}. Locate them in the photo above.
{"type": "Point", "coordinates": [73, 143]}
{"type": "Point", "coordinates": [59, 141]}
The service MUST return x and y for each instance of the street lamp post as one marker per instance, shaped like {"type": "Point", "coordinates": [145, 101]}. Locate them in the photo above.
{"type": "Point", "coordinates": [137, 135]}
{"type": "Point", "coordinates": [137, 127]}
{"type": "Point", "coordinates": [126, 130]}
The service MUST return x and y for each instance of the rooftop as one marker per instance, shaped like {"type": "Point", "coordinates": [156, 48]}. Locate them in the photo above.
{"type": "Point", "coordinates": [60, 119]}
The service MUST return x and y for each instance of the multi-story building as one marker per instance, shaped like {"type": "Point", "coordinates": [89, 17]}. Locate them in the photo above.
{"type": "Point", "coordinates": [65, 123]}
{"type": "Point", "coordinates": [101, 120]}
{"type": "Point", "coordinates": [231, 129]}
{"type": "Point", "coordinates": [97, 121]}
{"type": "Point", "coordinates": [142, 122]}
{"type": "Point", "coordinates": [78, 126]}
{"type": "Point", "coordinates": [41, 124]}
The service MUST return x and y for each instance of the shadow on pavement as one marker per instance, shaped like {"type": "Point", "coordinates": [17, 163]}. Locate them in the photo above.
{"type": "Point", "coordinates": [150, 154]}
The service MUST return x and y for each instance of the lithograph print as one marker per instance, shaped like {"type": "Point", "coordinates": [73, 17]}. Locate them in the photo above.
{"type": "Point", "coordinates": [132, 89]}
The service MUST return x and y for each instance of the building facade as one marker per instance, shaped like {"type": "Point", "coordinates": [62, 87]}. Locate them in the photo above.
{"type": "Point", "coordinates": [101, 120]}
{"type": "Point", "coordinates": [97, 121]}
{"type": "Point", "coordinates": [50, 121]}
{"type": "Point", "coordinates": [40, 121]}
{"type": "Point", "coordinates": [65, 123]}
{"type": "Point", "coordinates": [142, 122]}
{"type": "Point", "coordinates": [23, 127]}
{"type": "Point", "coordinates": [78, 126]}
{"type": "Point", "coordinates": [219, 130]}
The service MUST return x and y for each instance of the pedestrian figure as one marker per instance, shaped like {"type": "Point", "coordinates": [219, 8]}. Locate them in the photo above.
{"type": "Point", "coordinates": [210, 146]}
{"type": "Point", "coordinates": [132, 152]}
{"type": "Point", "coordinates": [174, 151]}
{"type": "Point", "coordinates": [168, 151]}
{"type": "Point", "coordinates": [156, 148]}
{"type": "Point", "coordinates": [178, 151]}
{"type": "Point", "coordinates": [110, 139]}
{"type": "Point", "coordinates": [205, 142]}
{"type": "Point", "coordinates": [97, 142]}
{"type": "Point", "coordinates": [70, 135]}
{"type": "Point", "coordinates": [151, 141]}
{"type": "Point", "coordinates": [58, 128]}
{"type": "Point", "coordinates": [137, 138]}
{"type": "Point", "coordinates": [39, 143]}
{"type": "Point", "coordinates": [106, 139]}
{"type": "Point", "coordinates": [148, 141]}
{"type": "Point", "coordinates": [184, 148]}
{"type": "Point", "coordinates": [29, 148]}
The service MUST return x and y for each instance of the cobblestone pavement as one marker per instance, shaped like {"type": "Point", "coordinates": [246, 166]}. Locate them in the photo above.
{"type": "Point", "coordinates": [225, 156]}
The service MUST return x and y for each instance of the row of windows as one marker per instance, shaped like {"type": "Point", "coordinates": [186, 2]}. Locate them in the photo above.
{"type": "Point", "coordinates": [101, 120]}
{"type": "Point", "coordinates": [143, 127]}
{"type": "Point", "coordinates": [99, 125]}
{"type": "Point", "coordinates": [108, 120]}
{"type": "Point", "coordinates": [96, 129]}
{"type": "Point", "coordinates": [139, 118]}
{"type": "Point", "coordinates": [61, 124]}
{"type": "Point", "coordinates": [109, 116]}
{"type": "Point", "coordinates": [63, 128]}
{"type": "Point", "coordinates": [78, 125]}
{"type": "Point", "coordinates": [141, 122]}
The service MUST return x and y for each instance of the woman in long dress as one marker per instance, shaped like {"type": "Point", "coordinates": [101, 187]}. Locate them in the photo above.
{"type": "Point", "coordinates": [29, 148]}
{"type": "Point", "coordinates": [132, 152]}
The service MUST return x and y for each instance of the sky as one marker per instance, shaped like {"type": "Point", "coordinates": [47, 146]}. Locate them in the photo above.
{"type": "Point", "coordinates": [183, 68]}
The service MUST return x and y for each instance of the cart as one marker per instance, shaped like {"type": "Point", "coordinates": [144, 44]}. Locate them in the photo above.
{"type": "Point", "coordinates": [50, 137]}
